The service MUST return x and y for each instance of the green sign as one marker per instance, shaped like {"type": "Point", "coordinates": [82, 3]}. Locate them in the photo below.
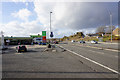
{"type": "Point", "coordinates": [43, 33]}
{"type": "Point", "coordinates": [35, 36]}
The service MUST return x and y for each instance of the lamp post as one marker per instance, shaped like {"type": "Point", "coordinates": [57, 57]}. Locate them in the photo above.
{"type": "Point", "coordinates": [50, 21]}
{"type": "Point", "coordinates": [49, 46]}
{"type": "Point", "coordinates": [2, 40]}
{"type": "Point", "coordinates": [50, 27]}
{"type": "Point", "coordinates": [111, 25]}
{"type": "Point", "coordinates": [51, 33]}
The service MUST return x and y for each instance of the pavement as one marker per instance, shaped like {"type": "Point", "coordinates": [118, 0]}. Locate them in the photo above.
{"type": "Point", "coordinates": [59, 62]}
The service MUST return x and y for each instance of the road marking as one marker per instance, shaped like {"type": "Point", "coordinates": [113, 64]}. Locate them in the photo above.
{"type": "Point", "coordinates": [112, 50]}
{"type": "Point", "coordinates": [92, 61]}
{"type": "Point", "coordinates": [100, 52]}
{"type": "Point", "coordinates": [18, 53]}
{"type": "Point", "coordinates": [96, 52]}
{"type": "Point", "coordinates": [116, 56]}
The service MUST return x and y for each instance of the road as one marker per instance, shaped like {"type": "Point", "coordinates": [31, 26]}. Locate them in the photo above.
{"type": "Point", "coordinates": [102, 45]}
{"type": "Point", "coordinates": [59, 63]}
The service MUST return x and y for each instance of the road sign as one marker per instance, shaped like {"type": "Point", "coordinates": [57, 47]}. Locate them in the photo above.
{"type": "Point", "coordinates": [43, 33]}
{"type": "Point", "coordinates": [51, 35]}
{"type": "Point", "coordinates": [44, 37]}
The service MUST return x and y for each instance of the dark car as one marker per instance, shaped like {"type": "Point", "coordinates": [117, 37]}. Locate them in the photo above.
{"type": "Point", "coordinates": [56, 42]}
{"type": "Point", "coordinates": [21, 48]}
{"type": "Point", "coordinates": [82, 41]}
{"type": "Point", "coordinates": [43, 43]}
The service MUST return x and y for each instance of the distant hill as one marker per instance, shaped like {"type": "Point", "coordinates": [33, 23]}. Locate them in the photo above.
{"type": "Point", "coordinates": [76, 36]}
{"type": "Point", "coordinates": [80, 36]}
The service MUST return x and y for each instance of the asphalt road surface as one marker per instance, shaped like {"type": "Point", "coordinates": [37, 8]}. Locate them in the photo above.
{"type": "Point", "coordinates": [60, 63]}
{"type": "Point", "coordinates": [102, 45]}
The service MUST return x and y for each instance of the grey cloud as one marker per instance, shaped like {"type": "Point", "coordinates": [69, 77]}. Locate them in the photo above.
{"type": "Point", "coordinates": [79, 16]}
{"type": "Point", "coordinates": [89, 15]}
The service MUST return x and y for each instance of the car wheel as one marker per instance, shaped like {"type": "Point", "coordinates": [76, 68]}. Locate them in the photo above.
{"type": "Point", "coordinates": [17, 51]}
{"type": "Point", "coordinates": [25, 50]}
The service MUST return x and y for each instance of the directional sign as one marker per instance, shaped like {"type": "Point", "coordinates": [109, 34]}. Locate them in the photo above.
{"type": "Point", "coordinates": [51, 35]}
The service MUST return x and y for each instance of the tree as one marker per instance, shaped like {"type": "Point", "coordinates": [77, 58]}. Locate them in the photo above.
{"type": "Point", "coordinates": [108, 29]}
{"type": "Point", "coordinates": [101, 29]}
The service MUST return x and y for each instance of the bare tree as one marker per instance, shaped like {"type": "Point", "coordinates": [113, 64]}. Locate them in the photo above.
{"type": "Point", "coordinates": [108, 29]}
{"type": "Point", "coordinates": [101, 29]}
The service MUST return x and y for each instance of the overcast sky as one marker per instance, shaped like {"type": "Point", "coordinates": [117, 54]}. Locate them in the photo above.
{"type": "Point", "coordinates": [25, 18]}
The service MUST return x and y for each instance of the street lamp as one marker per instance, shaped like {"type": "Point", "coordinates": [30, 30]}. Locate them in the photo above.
{"type": "Point", "coordinates": [111, 25]}
{"type": "Point", "coordinates": [51, 33]}
{"type": "Point", "coordinates": [2, 40]}
{"type": "Point", "coordinates": [50, 27]}
{"type": "Point", "coordinates": [50, 21]}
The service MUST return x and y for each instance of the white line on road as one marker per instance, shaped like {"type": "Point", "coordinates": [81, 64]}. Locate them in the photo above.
{"type": "Point", "coordinates": [116, 56]}
{"type": "Point", "coordinates": [18, 53]}
{"type": "Point", "coordinates": [112, 50]}
{"type": "Point", "coordinates": [96, 52]}
{"type": "Point", "coordinates": [92, 61]}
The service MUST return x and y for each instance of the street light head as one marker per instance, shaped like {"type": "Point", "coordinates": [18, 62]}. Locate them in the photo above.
{"type": "Point", "coordinates": [50, 12]}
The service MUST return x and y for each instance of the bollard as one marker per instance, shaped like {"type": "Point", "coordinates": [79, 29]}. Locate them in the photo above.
{"type": "Point", "coordinates": [49, 46]}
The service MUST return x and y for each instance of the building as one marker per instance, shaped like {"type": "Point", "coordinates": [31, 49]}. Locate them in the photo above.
{"type": "Point", "coordinates": [17, 40]}
{"type": "Point", "coordinates": [92, 35]}
{"type": "Point", "coordinates": [38, 39]}
{"type": "Point", "coordinates": [116, 32]}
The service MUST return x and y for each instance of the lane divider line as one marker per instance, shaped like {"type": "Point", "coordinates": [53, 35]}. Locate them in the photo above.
{"type": "Point", "coordinates": [91, 60]}
{"type": "Point", "coordinates": [96, 52]}
{"type": "Point", "coordinates": [18, 53]}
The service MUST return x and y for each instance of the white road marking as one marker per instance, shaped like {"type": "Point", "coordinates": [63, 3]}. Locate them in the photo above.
{"type": "Point", "coordinates": [112, 50]}
{"type": "Point", "coordinates": [18, 53]}
{"type": "Point", "coordinates": [96, 52]}
{"type": "Point", "coordinates": [100, 52]}
{"type": "Point", "coordinates": [92, 61]}
{"type": "Point", "coordinates": [116, 56]}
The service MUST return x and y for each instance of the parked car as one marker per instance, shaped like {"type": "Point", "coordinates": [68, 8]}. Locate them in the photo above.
{"type": "Point", "coordinates": [40, 43]}
{"type": "Point", "coordinates": [73, 41]}
{"type": "Point", "coordinates": [93, 41]}
{"type": "Point", "coordinates": [43, 43]}
{"type": "Point", "coordinates": [21, 48]}
{"type": "Point", "coordinates": [56, 42]}
{"type": "Point", "coordinates": [82, 41]}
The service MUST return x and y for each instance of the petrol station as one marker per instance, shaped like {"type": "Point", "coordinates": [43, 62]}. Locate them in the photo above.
{"type": "Point", "coordinates": [39, 39]}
